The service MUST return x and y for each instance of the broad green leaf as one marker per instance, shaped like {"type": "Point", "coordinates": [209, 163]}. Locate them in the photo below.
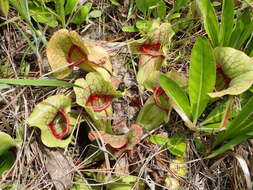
{"type": "Point", "coordinates": [151, 116]}
{"type": "Point", "coordinates": [160, 140]}
{"type": "Point", "coordinates": [229, 145]}
{"type": "Point", "coordinates": [6, 142]}
{"type": "Point", "coordinates": [216, 115]}
{"type": "Point", "coordinates": [37, 82]}
{"type": "Point", "coordinates": [238, 67]}
{"type": "Point", "coordinates": [129, 29]}
{"type": "Point", "coordinates": [4, 7]}
{"type": "Point", "coordinates": [7, 160]}
{"type": "Point", "coordinates": [210, 20]}
{"type": "Point", "coordinates": [179, 4]}
{"type": "Point", "coordinates": [40, 14]}
{"type": "Point", "coordinates": [161, 9]}
{"type": "Point", "coordinates": [47, 111]}
{"type": "Point", "coordinates": [173, 16]}
{"type": "Point", "coordinates": [115, 3]}
{"type": "Point", "coordinates": [59, 7]}
{"type": "Point", "coordinates": [143, 5]}
{"type": "Point", "coordinates": [67, 47]}
{"type": "Point", "coordinates": [70, 6]}
{"type": "Point", "coordinates": [83, 14]}
{"type": "Point", "coordinates": [143, 26]}
{"type": "Point", "coordinates": [227, 22]}
{"type": "Point", "coordinates": [241, 125]}
{"type": "Point", "coordinates": [95, 14]}
{"type": "Point", "coordinates": [7, 157]}
{"type": "Point", "coordinates": [202, 76]}
{"type": "Point", "coordinates": [177, 145]}
{"type": "Point", "coordinates": [95, 84]}
{"type": "Point", "coordinates": [176, 94]}
{"type": "Point", "coordinates": [81, 184]}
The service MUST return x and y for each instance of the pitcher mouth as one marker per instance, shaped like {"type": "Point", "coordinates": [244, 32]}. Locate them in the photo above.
{"type": "Point", "coordinates": [72, 49]}
{"type": "Point", "coordinates": [51, 125]}
{"type": "Point", "coordinates": [159, 92]}
{"type": "Point", "coordinates": [226, 79]}
{"type": "Point", "coordinates": [95, 99]}
{"type": "Point", "coordinates": [151, 49]}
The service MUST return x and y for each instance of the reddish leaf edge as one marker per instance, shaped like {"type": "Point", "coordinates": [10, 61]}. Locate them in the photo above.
{"type": "Point", "coordinates": [94, 97]}
{"type": "Point", "coordinates": [151, 49]}
{"type": "Point", "coordinates": [157, 92]}
{"type": "Point", "coordinates": [122, 144]}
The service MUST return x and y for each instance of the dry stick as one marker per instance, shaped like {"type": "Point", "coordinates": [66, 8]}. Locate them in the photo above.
{"type": "Point", "coordinates": [13, 100]}
{"type": "Point", "coordinates": [112, 40]}
{"type": "Point", "coordinates": [204, 165]}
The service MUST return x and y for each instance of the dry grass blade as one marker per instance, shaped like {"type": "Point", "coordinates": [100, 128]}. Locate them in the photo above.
{"type": "Point", "coordinates": [242, 162]}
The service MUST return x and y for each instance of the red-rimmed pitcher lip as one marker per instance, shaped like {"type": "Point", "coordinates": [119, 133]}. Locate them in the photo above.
{"type": "Point", "coordinates": [151, 49]}
{"type": "Point", "coordinates": [51, 125]}
{"type": "Point", "coordinates": [106, 98]}
{"type": "Point", "coordinates": [159, 91]}
{"type": "Point", "coordinates": [70, 53]}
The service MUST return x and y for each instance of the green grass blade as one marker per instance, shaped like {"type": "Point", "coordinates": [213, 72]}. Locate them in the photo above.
{"type": "Point", "coordinates": [227, 22]}
{"type": "Point", "coordinates": [59, 6]}
{"type": "Point", "coordinates": [243, 21]}
{"type": "Point", "coordinates": [4, 7]}
{"type": "Point", "coordinates": [179, 4]}
{"type": "Point", "coordinates": [37, 82]}
{"type": "Point", "coordinates": [22, 7]}
{"type": "Point", "coordinates": [210, 20]}
{"type": "Point", "coordinates": [202, 76]}
{"type": "Point", "coordinates": [231, 144]}
{"type": "Point", "coordinates": [177, 95]}
{"type": "Point", "coordinates": [240, 124]}
{"type": "Point", "coordinates": [245, 35]}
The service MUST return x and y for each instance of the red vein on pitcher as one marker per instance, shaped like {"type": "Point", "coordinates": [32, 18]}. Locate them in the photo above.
{"type": "Point", "coordinates": [72, 49]}
{"type": "Point", "coordinates": [51, 125]}
{"type": "Point", "coordinates": [226, 79]}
